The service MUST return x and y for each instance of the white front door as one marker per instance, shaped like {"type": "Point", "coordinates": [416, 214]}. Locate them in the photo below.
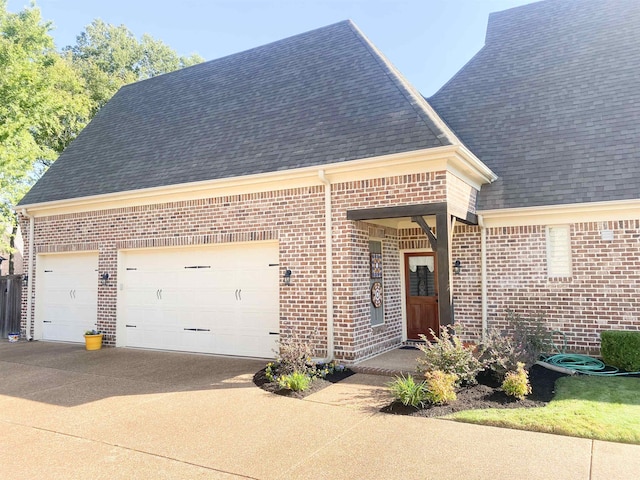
{"type": "Point", "coordinates": [66, 296]}
{"type": "Point", "coordinates": [219, 299]}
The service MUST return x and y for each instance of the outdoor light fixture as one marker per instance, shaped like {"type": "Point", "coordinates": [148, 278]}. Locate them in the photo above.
{"type": "Point", "coordinates": [25, 280]}
{"type": "Point", "coordinates": [287, 277]}
{"type": "Point", "coordinates": [104, 278]}
{"type": "Point", "coordinates": [457, 267]}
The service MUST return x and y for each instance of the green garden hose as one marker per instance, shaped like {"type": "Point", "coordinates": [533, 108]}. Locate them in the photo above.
{"type": "Point", "coordinates": [584, 364]}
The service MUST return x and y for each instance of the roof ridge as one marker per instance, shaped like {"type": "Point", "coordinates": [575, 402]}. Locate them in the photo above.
{"type": "Point", "coordinates": [429, 116]}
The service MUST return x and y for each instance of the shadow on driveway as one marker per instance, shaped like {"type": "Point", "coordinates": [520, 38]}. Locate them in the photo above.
{"type": "Point", "coordinates": [68, 375]}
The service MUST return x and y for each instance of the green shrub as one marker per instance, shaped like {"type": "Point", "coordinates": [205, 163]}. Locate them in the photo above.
{"type": "Point", "coordinates": [440, 387]}
{"type": "Point", "coordinates": [296, 381]}
{"type": "Point", "coordinates": [448, 354]}
{"type": "Point", "coordinates": [621, 349]}
{"type": "Point", "coordinates": [407, 391]}
{"type": "Point", "coordinates": [516, 383]}
{"type": "Point", "coordinates": [500, 353]}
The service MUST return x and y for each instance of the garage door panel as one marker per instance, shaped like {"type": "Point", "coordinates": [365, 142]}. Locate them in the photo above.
{"type": "Point", "coordinates": [67, 295]}
{"type": "Point", "coordinates": [221, 299]}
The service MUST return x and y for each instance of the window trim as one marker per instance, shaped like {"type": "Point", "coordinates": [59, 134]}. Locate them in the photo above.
{"type": "Point", "coordinates": [554, 251]}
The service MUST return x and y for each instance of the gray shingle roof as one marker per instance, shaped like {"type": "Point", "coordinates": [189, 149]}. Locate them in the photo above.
{"type": "Point", "coordinates": [315, 98]}
{"type": "Point", "coordinates": [552, 103]}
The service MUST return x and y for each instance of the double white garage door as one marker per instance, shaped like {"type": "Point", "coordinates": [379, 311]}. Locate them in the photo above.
{"type": "Point", "coordinates": [222, 299]}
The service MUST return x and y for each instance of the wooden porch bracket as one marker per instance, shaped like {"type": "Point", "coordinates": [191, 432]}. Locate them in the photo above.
{"type": "Point", "coordinates": [440, 242]}
{"type": "Point", "coordinates": [433, 241]}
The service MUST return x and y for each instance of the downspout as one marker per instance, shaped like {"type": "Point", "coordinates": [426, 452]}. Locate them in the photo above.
{"type": "Point", "coordinates": [483, 274]}
{"type": "Point", "coordinates": [29, 275]}
{"type": "Point", "coordinates": [328, 226]}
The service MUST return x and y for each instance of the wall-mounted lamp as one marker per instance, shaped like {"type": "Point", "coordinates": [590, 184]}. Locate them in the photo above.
{"type": "Point", "coordinates": [25, 280]}
{"type": "Point", "coordinates": [287, 277]}
{"type": "Point", "coordinates": [457, 268]}
{"type": "Point", "coordinates": [104, 278]}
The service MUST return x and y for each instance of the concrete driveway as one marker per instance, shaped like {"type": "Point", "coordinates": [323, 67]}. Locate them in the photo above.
{"type": "Point", "coordinates": [120, 413]}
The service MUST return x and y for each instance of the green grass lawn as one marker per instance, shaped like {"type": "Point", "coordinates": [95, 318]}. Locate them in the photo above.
{"type": "Point", "coordinates": [601, 408]}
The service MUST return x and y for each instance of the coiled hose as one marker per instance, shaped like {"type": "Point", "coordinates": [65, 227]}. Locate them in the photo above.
{"type": "Point", "coordinates": [584, 364]}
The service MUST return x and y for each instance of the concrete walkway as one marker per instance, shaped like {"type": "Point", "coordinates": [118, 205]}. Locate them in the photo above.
{"type": "Point", "coordinates": [129, 414]}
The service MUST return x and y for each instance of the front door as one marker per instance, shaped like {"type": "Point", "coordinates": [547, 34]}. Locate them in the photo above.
{"type": "Point", "coordinates": [421, 294]}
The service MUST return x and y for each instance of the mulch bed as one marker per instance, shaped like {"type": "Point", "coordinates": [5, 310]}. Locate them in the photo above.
{"type": "Point", "coordinates": [487, 394]}
{"type": "Point", "coordinates": [260, 380]}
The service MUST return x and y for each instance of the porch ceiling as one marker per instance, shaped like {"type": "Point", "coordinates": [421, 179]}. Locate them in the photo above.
{"type": "Point", "coordinates": [401, 215]}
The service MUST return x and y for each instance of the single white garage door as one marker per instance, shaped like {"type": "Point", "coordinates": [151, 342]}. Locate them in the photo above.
{"type": "Point", "coordinates": [222, 299]}
{"type": "Point", "coordinates": [66, 296]}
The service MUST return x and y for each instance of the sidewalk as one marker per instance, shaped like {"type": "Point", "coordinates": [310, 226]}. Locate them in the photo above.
{"type": "Point", "coordinates": [120, 413]}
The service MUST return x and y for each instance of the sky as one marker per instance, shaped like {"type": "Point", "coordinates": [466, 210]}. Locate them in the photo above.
{"type": "Point", "coordinates": [427, 40]}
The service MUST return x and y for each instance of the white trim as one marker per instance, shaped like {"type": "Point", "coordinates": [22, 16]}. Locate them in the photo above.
{"type": "Point", "coordinates": [562, 214]}
{"type": "Point", "coordinates": [454, 158]}
{"type": "Point", "coordinates": [328, 239]}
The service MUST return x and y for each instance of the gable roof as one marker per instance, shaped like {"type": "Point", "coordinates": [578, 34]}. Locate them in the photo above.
{"type": "Point", "coordinates": [321, 97]}
{"type": "Point", "coordinates": [551, 103]}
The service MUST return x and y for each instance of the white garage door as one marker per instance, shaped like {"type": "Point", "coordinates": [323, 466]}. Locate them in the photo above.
{"type": "Point", "coordinates": [66, 298]}
{"type": "Point", "coordinates": [222, 299]}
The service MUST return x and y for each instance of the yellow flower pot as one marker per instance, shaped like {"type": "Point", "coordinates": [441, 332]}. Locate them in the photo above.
{"type": "Point", "coordinates": [93, 342]}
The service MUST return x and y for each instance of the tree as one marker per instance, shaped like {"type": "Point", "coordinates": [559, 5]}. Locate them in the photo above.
{"type": "Point", "coordinates": [42, 107]}
{"type": "Point", "coordinates": [47, 97]}
{"type": "Point", "coordinates": [109, 56]}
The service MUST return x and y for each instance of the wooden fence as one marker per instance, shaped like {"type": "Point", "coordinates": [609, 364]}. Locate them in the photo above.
{"type": "Point", "coordinates": [10, 304]}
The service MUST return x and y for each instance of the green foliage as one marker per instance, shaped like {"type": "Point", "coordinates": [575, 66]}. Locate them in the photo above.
{"type": "Point", "coordinates": [448, 354]}
{"type": "Point", "coordinates": [296, 381]}
{"type": "Point", "coordinates": [600, 408]}
{"type": "Point", "coordinates": [109, 56]}
{"type": "Point", "coordinates": [516, 383]}
{"type": "Point", "coordinates": [500, 353]}
{"type": "Point", "coordinates": [621, 349]}
{"type": "Point", "coordinates": [295, 351]}
{"type": "Point", "coordinates": [42, 106]}
{"type": "Point", "coordinates": [407, 391]}
{"type": "Point", "coordinates": [440, 387]}
{"type": "Point", "coordinates": [47, 97]}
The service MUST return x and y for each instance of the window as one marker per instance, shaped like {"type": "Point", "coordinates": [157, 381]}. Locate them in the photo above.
{"type": "Point", "coordinates": [558, 251]}
{"type": "Point", "coordinates": [375, 282]}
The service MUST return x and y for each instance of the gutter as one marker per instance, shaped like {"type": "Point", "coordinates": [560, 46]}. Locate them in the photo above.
{"type": "Point", "coordinates": [483, 274]}
{"type": "Point", "coordinates": [329, 263]}
{"type": "Point", "coordinates": [30, 275]}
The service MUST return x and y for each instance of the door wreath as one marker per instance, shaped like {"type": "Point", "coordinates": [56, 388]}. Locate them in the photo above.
{"type": "Point", "coordinates": [376, 294]}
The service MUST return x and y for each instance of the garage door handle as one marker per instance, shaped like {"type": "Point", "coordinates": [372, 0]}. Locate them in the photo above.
{"type": "Point", "coordinates": [131, 326]}
{"type": "Point", "coordinates": [274, 333]}
{"type": "Point", "coordinates": [203, 329]}
{"type": "Point", "coordinates": [240, 294]}
{"type": "Point", "coordinates": [191, 329]}
{"type": "Point", "coordinates": [47, 321]}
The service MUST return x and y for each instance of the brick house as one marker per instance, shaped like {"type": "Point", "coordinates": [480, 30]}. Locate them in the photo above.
{"type": "Point", "coordinates": [306, 184]}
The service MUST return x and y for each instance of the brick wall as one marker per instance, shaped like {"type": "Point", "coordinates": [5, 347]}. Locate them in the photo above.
{"type": "Point", "coordinates": [294, 217]}
{"type": "Point", "coordinates": [351, 259]}
{"type": "Point", "coordinates": [601, 294]}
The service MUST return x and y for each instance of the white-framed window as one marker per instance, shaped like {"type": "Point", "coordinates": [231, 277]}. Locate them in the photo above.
{"type": "Point", "coordinates": [558, 251]}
